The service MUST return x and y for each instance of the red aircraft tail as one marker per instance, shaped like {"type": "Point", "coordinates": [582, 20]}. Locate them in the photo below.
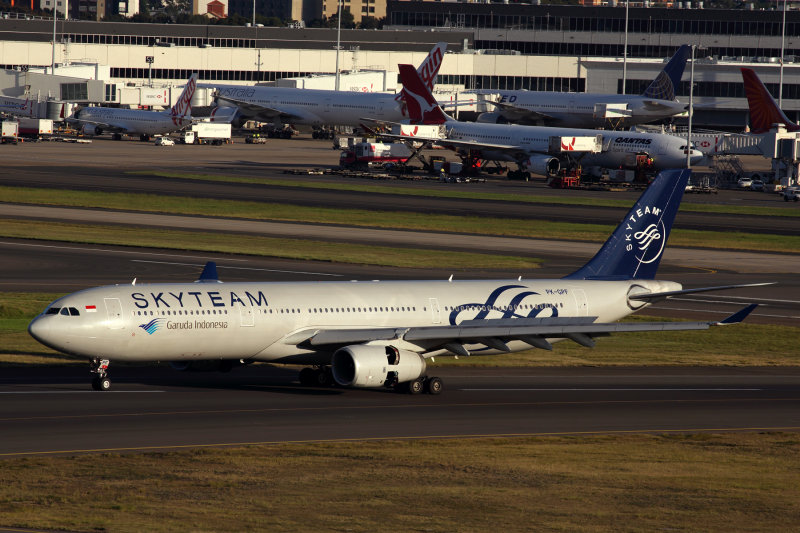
{"type": "Point", "coordinates": [422, 106]}
{"type": "Point", "coordinates": [764, 111]}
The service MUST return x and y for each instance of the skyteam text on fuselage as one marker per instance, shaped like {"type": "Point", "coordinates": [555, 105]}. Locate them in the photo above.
{"type": "Point", "coordinates": [592, 110]}
{"type": "Point", "coordinates": [375, 333]}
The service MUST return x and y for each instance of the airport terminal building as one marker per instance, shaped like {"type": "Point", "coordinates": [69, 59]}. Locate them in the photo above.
{"type": "Point", "coordinates": [490, 46]}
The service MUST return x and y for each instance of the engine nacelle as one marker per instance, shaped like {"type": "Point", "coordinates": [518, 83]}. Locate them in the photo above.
{"type": "Point", "coordinates": [545, 165]}
{"type": "Point", "coordinates": [375, 366]}
{"type": "Point", "coordinates": [91, 129]}
{"type": "Point", "coordinates": [491, 118]}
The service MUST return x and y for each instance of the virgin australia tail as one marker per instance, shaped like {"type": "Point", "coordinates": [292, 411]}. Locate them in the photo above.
{"type": "Point", "coordinates": [665, 86]}
{"type": "Point", "coordinates": [764, 111]}
{"type": "Point", "coordinates": [183, 107]}
{"type": "Point", "coordinates": [635, 248]}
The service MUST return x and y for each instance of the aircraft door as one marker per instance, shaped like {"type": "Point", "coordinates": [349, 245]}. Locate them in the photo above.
{"type": "Point", "coordinates": [581, 305]}
{"type": "Point", "coordinates": [114, 313]}
{"type": "Point", "coordinates": [246, 315]}
{"type": "Point", "coordinates": [436, 312]}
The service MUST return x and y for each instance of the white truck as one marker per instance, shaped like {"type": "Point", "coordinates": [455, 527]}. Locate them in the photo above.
{"type": "Point", "coordinates": [35, 128]}
{"type": "Point", "coordinates": [9, 132]}
{"type": "Point", "coordinates": [208, 133]}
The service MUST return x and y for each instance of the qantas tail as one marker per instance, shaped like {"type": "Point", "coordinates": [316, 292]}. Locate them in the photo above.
{"type": "Point", "coordinates": [428, 69]}
{"type": "Point", "coordinates": [764, 111]}
{"type": "Point", "coordinates": [422, 106]}
{"type": "Point", "coordinates": [668, 80]}
{"type": "Point", "coordinates": [635, 248]}
{"type": "Point", "coordinates": [183, 107]}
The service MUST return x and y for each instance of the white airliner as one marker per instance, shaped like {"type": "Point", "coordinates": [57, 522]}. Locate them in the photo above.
{"type": "Point", "coordinates": [99, 120]}
{"type": "Point", "coordinates": [376, 333]}
{"type": "Point", "coordinates": [594, 110]}
{"type": "Point", "coordinates": [313, 107]}
{"type": "Point", "coordinates": [530, 146]}
{"type": "Point", "coordinates": [21, 107]}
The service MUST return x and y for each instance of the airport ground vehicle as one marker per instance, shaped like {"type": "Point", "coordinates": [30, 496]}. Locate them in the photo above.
{"type": "Point", "coordinates": [364, 154]}
{"type": "Point", "coordinates": [744, 183]}
{"type": "Point", "coordinates": [164, 141]}
{"type": "Point", "coordinates": [207, 133]}
{"type": "Point", "coordinates": [255, 139]}
{"type": "Point", "coordinates": [757, 185]}
{"type": "Point", "coordinates": [35, 128]}
{"type": "Point", "coordinates": [791, 193]}
{"type": "Point", "coordinates": [9, 132]}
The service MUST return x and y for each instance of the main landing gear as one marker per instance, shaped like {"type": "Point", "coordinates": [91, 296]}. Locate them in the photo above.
{"type": "Point", "coordinates": [425, 384]}
{"type": "Point", "coordinates": [100, 381]}
{"type": "Point", "coordinates": [321, 376]}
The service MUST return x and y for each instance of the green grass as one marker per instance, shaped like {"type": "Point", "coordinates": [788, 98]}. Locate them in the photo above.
{"type": "Point", "coordinates": [386, 219]}
{"type": "Point", "coordinates": [301, 249]}
{"type": "Point", "coordinates": [449, 193]}
{"type": "Point", "coordinates": [666, 482]}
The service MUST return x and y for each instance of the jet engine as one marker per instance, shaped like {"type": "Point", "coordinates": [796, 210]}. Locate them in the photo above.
{"type": "Point", "coordinates": [544, 165]}
{"type": "Point", "coordinates": [375, 366]}
{"type": "Point", "coordinates": [91, 129]}
{"type": "Point", "coordinates": [491, 118]}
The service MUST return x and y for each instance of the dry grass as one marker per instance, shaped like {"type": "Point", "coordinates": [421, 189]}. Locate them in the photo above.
{"type": "Point", "coordinates": [732, 482]}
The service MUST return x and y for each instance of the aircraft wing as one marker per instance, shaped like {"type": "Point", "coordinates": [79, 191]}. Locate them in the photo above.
{"type": "Point", "coordinates": [268, 114]}
{"type": "Point", "coordinates": [496, 333]}
{"type": "Point", "coordinates": [520, 114]}
{"type": "Point", "coordinates": [445, 141]}
{"type": "Point", "coordinates": [111, 128]}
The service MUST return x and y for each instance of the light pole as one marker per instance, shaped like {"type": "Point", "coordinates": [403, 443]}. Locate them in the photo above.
{"type": "Point", "coordinates": [783, 40]}
{"type": "Point", "coordinates": [691, 109]}
{"type": "Point", "coordinates": [254, 13]}
{"type": "Point", "coordinates": [625, 51]}
{"type": "Point", "coordinates": [338, 38]}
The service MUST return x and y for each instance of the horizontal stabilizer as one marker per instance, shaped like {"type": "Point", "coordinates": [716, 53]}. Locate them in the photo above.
{"type": "Point", "coordinates": [738, 316]}
{"type": "Point", "coordinates": [668, 294]}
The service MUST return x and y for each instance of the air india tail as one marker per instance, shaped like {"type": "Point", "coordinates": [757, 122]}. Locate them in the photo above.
{"type": "Point", "coordinates": [183, 107]}
{"type": "Point", "coordinates": [422, 106]}
{"type": "Point", "coordinates": [764, 111]}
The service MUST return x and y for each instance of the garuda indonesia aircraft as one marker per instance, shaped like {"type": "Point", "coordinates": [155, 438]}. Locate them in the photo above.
{"type": "Point", "coordinates": [315, 107]}
{"type": "Point", "coordinates": [592, 110]}
{"type": "Point", "coordinates": [99, 120]}
{"type": "Point", "coordinates": [376, 333]}
{"type": "Point", "coordinates": [531, 147]}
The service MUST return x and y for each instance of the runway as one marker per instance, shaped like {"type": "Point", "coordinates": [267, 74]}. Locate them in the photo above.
{"type": "Point", "coordinates": [51, 410]}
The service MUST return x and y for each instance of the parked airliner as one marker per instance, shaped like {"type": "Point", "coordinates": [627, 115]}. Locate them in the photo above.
{"type": "Point", "coordinates": [314, 107]}
{"type": "Point", "coordinates": [764, 111]}
{"type": "Point", "coordinates": [593, 110]}
{"type": "Point", "coordinates": [376, 334]}
{"type": "Point", "coordinates": [20, 107]}
{"type": "Point", "coordinates": [530, 146]}
{"type": "Point", "coordinates": [99, 120]}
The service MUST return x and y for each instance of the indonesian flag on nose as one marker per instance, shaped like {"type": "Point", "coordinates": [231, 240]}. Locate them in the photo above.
{"type": "Point", "coordinates": [91, 308]}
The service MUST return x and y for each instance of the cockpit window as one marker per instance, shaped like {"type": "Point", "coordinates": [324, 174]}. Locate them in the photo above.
{"type": "Point", "coordinates": [65, 311]}
{"type": "Point", "coordinates": [74, 312]}
{"type": "Point", "coordinates": [52, 311]}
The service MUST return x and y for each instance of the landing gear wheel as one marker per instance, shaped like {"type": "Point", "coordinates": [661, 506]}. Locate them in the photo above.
{"type": "Point", "coordinates": [322, 377]}
{"type": "Point", "coordinates": [101, 383]}
{"type": "Point", "coordinates": [416, 387]}
{"type": "Point", "coordinates": [434, 386]}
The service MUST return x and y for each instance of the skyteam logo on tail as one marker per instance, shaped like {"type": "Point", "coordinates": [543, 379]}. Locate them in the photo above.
{"type": "Point", "coordinates": [152, 326]}
{"type": "Point", "coordinates": [648, 243]}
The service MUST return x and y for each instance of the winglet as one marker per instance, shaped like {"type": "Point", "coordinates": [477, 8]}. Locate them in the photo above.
{"type": "Point", "coordinates": [209, 274]}
{"type": "Point", "coordinates": [738, 316]}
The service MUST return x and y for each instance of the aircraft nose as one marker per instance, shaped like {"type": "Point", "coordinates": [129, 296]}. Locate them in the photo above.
{"type": "Point", "coordinates": [39, 329]}
{"type": "Point", "coordinates": [697, 157]}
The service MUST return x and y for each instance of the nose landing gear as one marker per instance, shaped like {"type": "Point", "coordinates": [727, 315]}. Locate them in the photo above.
{"type": "Point", "coordinates": [100, 381]}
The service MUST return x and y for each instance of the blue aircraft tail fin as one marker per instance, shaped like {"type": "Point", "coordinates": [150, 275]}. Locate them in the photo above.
{"type": "Point", "coordinates": [666, 84]}
{"type": "Point", "coordinates": [634, 249]}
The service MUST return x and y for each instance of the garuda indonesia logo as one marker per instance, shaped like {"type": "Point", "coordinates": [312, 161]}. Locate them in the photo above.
{"type": "Point", "coordinates": [648, 243]}
{"type": "Point", "coordinates": [152, 326]}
